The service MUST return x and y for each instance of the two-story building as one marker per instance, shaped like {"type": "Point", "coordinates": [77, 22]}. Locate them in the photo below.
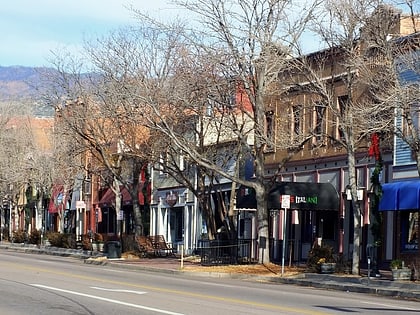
{"type": "Point", "coordinates": [304, 114]}
{"type": "Point", "coordinates": [400, 201]}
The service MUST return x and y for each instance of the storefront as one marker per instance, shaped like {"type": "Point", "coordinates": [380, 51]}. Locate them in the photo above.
{"type": "Point", "coordinates": [313, 215]}
{"type": "Point", "coordinates": [174, 215]}
{"type": "Point", "coordinates": [401, 202]}
{"type": "Point", "coordinates": [106, 217]}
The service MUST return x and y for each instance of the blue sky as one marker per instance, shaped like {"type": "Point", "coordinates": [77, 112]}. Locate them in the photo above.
{"type": "Point", "coordinates": [31, 29]}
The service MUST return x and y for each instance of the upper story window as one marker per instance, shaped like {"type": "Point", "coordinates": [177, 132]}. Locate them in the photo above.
{"type": "Point", "coordinates": [319, 122]}
{"type": "Point", "coordinates": [209, 109]}
{"type": "Point", "coordinates": [163, 160]}
{"type": "Point", "coordinates": [181, 163]}
{"type": "Point", "coordinates": [297, 118]}
{"type": "Point", "coordinates": [270, 134]}
{"type": "Point", "coordinates": [343, 102]}
{"type": "Point", "coordinates": [403, 154]}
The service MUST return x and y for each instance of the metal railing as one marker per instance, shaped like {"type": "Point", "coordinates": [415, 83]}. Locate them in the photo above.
{"type": "Point", "coordinates": [225, 252]}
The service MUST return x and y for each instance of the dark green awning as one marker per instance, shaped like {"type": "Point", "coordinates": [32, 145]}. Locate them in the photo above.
{"type": "Point", "coordinates": [303, 196]}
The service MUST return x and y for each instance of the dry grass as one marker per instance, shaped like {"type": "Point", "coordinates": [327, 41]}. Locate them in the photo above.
{"type": "Point", "coordinates": [257, 269]}
{"type": "Point", "coordinates": [192, 263]}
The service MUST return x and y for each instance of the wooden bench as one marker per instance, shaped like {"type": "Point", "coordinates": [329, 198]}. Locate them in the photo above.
{"type": "Point", "coordinates": [161, 245]}
{"type": "Point", "coordinates": [145, 246]}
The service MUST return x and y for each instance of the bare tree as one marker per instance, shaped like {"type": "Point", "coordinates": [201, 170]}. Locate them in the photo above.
{"type": "Point", "coordinates": [92, 116]}
{"type": "Point", "coordinates": [25, 161]}
{"type": "Point", "coordinates": [246, 42]}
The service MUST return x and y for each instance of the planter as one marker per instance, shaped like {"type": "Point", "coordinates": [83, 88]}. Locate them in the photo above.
{"type": "Point", "coordinates": [327, 267]}
{"type": "Point", "coordinates": [97, 246]}
{"type": "Point", "coordinates": [401, 274]}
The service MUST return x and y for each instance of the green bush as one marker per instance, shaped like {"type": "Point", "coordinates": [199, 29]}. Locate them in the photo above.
{"type": "Point", "coordinates": [396, 264]}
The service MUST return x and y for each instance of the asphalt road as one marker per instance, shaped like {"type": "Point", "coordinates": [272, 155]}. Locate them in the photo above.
{"type": "Point", "coordinates": [41, 284]}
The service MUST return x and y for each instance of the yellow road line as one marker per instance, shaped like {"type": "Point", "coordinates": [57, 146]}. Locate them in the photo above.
{"type": "Point", "coordinates": [157, 289]}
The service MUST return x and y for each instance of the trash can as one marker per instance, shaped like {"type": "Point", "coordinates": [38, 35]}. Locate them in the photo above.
{"type": "Point", "coordinates": [113, 249]}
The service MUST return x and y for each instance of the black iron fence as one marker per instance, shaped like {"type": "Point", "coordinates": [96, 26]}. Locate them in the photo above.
{"type": "Point", "coordinates": [225, 252]}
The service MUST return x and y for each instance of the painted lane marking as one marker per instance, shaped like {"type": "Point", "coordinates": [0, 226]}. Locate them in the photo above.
{"type": "Point", "coordinates": [390, 306]}
{"type": "Point", "coordinates": [106, 300]}
{"type": "Point", "coordinates": [160, 289]}
{"type": "Point", "coordinates": [119, 290]}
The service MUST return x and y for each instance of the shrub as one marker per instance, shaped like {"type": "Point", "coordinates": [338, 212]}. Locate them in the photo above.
{"type": "Point", "coordinates": [35, 237]}
{"type": "Point", "coordinates": [19, 236]}
{"type": "Point", "coordinates": [61, 240]}
{"type": "Point", "coordinates": [55, 239]}
{"type": "Point", "coordinates": [5, 231]}
{"type": "Point", "coordinates": [68, 241]}
{"type": "Point", "coordinates": [86, 245]}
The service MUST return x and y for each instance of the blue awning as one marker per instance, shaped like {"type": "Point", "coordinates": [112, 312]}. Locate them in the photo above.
{"type": "Point", "coordinates": [400, 196]}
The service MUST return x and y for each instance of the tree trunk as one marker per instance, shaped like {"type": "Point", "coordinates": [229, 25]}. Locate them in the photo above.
{"type": "Point", "coordinates": [356, 213]}
{"type": "Point", "coordinates": [61, 210]}
{"type": "Point", "coordinates": [138, 218]}
{"type": "Point", "coordinates": [117, 203]}
{"type": "Point", "coordinates": [262, 218]}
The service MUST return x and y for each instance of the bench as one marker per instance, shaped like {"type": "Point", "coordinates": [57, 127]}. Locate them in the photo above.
{"type": "Point", "coordinates": [161, 245]}
{"type": "Point", "coordinates": [145, 246]}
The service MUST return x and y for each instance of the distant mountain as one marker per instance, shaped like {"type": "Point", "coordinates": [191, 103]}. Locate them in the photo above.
{"type": "Point", "coordinates": [19, 84]}
{"type": "Point", "coordinates": [17, 73]}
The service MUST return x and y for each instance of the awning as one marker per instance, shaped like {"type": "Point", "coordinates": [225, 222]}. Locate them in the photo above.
{"type": "Point", "coordinates": [303, 196]}
{"type": "Point", "coordinates": [400, 196]}
{"type": "Point", "coordinates": [56, 201]}
{"type": "Point", "coordinates": [108, 199]}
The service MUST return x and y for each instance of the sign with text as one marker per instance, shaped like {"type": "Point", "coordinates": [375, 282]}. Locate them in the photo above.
{"type": "Point", "coordinates": [303, 196]}
{"type": "Point", "coordinates": [285, 201]}
{"type": "Point", "coordinates": [80, 204]}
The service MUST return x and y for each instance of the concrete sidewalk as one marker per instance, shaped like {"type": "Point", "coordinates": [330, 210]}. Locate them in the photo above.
{"type": "Point", "coordinates": [172, 265]}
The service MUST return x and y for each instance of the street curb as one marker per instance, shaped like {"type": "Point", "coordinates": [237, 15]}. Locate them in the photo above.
{"type": "Point", "coordinates": [353, 287]}
{"type": "Point", "coordinates": [54, 251]}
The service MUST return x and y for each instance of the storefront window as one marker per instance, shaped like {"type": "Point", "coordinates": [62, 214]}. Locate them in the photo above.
{"type": "Point", "coordinates": [410, 230]}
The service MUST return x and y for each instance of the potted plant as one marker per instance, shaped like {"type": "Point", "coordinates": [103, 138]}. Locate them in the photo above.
{"type": "Point", "coordinates": [321, 259]}
{"type": "Point", "coordinates": [326, 266]}
{"type": "Point", "coordinates": [99, 242]}
{"type": "Point", "coordinates": [399, 270]}
{"type": "Point", "coordinates": [395, 264]}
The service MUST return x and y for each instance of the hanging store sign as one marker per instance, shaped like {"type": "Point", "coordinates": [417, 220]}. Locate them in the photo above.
{"type": "Point", "coordinates": [171, 198]}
